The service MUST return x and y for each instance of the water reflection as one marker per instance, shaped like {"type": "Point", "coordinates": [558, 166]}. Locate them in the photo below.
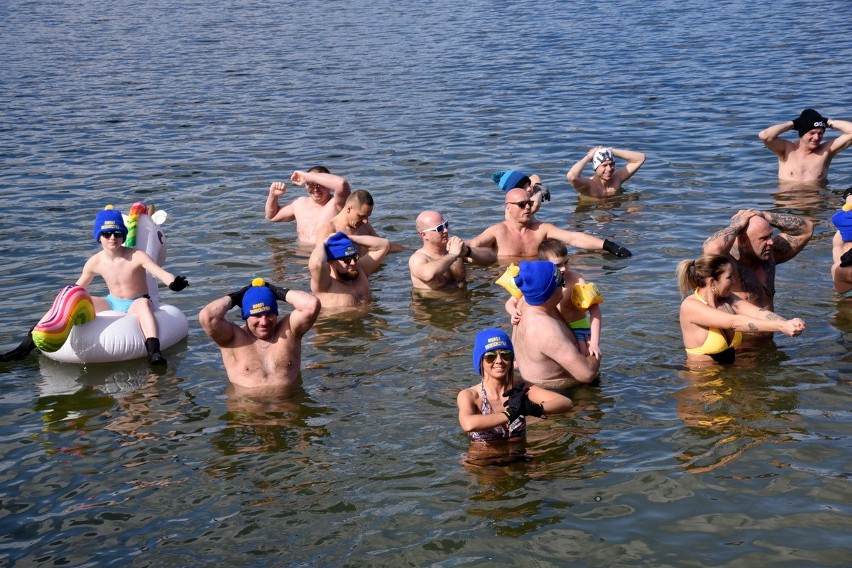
{"type": "Point", "coordinates": [802, 198]}
{"type": "Point", "coordinates": [269, 422]}
{"type": "Point", "coordinates": [728, 411]}
{"type": "Point", "coordinates": [447, 311]}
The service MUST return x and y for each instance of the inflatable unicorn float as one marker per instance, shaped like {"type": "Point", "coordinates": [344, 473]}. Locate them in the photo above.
{"type": "Point", "coordinates": [71, 332]}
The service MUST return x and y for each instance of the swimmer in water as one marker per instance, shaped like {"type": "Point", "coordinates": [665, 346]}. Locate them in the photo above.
{"type": "Point", "coordinates": [512, 179]}
{"type": "Point", "coordinates": [606, 180]}
{"type": "Point", "coordinates": [807, 159]}
{"type": "Point", "coordinates": [326, 194]}
{"type": "Point", "coordinates": [712, 319]}
{"type": "Point", "coordinates": [495, 409]}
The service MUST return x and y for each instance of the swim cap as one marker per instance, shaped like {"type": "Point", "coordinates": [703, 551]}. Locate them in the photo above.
{"type": "Point", "coordinates": [489, 340]}
{"type": "Point", "coordinates": [601, 156]}
{"type": "Point", "coordinates": [537, 279]}
{"type": "Point", "coordinates": [259, 300]}
{"type": "Point", "coordinates": [108, 220]}
{"type": "Point", "coordinates": [339, 246]}
{"type": "Point", "coordinates": [807, 121]}
{"type": "Point", "coordinates": [509, 179]}
{"type": "Point", "coordinates": [843, 221]}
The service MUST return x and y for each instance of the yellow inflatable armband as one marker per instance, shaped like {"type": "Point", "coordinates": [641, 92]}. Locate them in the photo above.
{"type": "Point", "coordinates": [585, 295]}
{"type": "Point", "coordinates": [507, 281]}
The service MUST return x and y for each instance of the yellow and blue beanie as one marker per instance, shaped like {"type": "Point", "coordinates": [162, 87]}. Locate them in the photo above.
{"type": "Point", "coordinates": [108, 220]}
{"type": "Point", "coordinates": [259, 300]}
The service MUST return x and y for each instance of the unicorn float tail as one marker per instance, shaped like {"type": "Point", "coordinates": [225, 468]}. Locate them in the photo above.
{"type": "Point", "coordinates": [73, 306]}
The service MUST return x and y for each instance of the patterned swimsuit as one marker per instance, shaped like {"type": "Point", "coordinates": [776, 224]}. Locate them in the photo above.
{"type": "Point", "coordinates": [518, 428]}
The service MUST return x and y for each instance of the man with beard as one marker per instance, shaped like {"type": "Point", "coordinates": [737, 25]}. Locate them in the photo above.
{"type": "Point", "coordinates": [754, 252]}
{"type": "Point", "coordinates": [339, 273]}
{"type": "Point", "coordinates": [519, 235]}
{"type": "Point", "coordinates": [807, 159]}
{"type": "Point", "coordinates": [265, 352]}
{"type": "Point", "coordinates": [326, 195]}
{"type": "Point", "coordinates": [439, 263]}
{"type": "Point", "coordinates": [606, 180]}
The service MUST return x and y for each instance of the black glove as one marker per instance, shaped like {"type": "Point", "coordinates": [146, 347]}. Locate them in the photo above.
{"type": "Point", "coordinates": [530, 408]}
{"type": "Point", "coordinates": [545, 193]}
{"type": "Point", "coordinates": [616, 249]}
{"type": "Point", "coordinates": [237, 297]}
{"type": "Point", "coordinates": [846, 258]}
{"type": "Point", "coordinates": [515, 405]}
{"type": "Point", "coordinates": [178, 284]}
{"type": "Point", "coordinates": [280, 293]}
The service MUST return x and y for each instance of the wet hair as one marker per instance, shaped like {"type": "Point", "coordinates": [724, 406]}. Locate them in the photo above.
{"type": "Point", "coordinates": [693, 274]}
{"type": "Point", "coordinates": [550, 248]}
{"type": "Point", "coordinates": [360, 197]}
{"type": "Point", "coordinates": [319, 170]}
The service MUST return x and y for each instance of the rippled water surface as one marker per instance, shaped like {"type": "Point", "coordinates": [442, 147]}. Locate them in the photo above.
{"type": "Point", "coordinates": [198, 106]}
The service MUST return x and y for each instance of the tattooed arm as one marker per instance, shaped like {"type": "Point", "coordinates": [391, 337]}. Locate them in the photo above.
{"type": "Point", "coordinates": [722, 241]}
{"type": "Point", "coordinates": [764, 320]}
{"type": "Point", "coordinates": [795, 234]}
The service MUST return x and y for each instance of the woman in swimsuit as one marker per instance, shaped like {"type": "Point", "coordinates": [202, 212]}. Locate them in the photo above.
{"type": "Point", "coordinates": [712, 320]}
{"type": "Point", "coordinates": [495, 409]}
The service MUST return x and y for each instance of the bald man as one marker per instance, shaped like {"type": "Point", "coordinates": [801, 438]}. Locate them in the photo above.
{"type": "Point", "coordinates": [754, 251]}
{"type": "Point", "coordinates": [520, 233]}
{"type": "Point", "coordinates": [439, 263]}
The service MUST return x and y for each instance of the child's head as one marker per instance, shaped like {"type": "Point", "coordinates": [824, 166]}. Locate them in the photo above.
{"type": "Point", "coordinates": [556, 252]}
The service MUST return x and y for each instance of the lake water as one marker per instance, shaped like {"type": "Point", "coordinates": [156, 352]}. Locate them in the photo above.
{"type": "Point", "coordinates": [198, 106]}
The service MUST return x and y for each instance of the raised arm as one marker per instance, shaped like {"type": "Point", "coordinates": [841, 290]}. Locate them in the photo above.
{"type": "Point", "coordinates": [272, 210]}
{"type": "Point", "coordinates": [337, 184]}
{"type": "Point", "coordinates": [721, 242]}
{"type": "Point", "coordinates": [377, 249]}
{"type": "Point", "coordinates": [770, 137]}
{"type": "Point", "coordinates": [795, 234]}
{"type": "Point", "coordinates": [575, 239]}
{"type": "Point", "coordinates": [319, 268]}
{"type": "Point", "coordinates": [213, 322]}
{"type": "Point", "coordinates": [306, 308]}
{"type": "Point", "coordinates": [844, 140]}
{"type": "Point", "coordinates": [575, 174]}
{"type": "Point", "coordinates": [634, 162]}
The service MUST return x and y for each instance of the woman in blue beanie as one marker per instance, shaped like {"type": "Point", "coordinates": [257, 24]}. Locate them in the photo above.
{"type": "Point", "coordinates": [495, 410]}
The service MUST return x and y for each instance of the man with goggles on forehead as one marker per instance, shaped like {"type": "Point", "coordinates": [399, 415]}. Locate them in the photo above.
{"type": "Point", "coordinates": [606, 180]}
{"type": "Point", "coordinates": [545, 348]}
{"type": "Point", "coordinates": [520, 234]}
{"type": "Point", "coordinates": [339, 272]}
{"type": "Point", "coordinates": [439, 263]}
{"type": "Point", "coordinates": [326, 195]}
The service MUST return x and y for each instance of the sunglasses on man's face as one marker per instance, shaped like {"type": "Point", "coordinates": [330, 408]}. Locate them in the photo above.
{"type": "Point", "coordinates": [504, 354]}
{"type": "Point", "coordinates": [522, 204]}
{"type": "Point", "coordinates": [445, 226]}
{"type": "Point", "coordinates": [352, 258]}
{"type": "Point", "coordinates": [116, 234]}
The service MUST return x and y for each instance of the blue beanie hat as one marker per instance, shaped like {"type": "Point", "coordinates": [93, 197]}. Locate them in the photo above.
{"type": "Point", "coordinates": [843, 221]}
{"type": "Point", "coordinates": [508, 180]}
{"type": "Point", "coordinates": [489, 340]}
{"type": "Point", "coordinates": [339, 246]}
{"type": "Point", "coordinates": [537, 279]}
{"type": "Point", "coordinates": [108, 220]}
{"type": "Point", "coordinates": [259, 300]}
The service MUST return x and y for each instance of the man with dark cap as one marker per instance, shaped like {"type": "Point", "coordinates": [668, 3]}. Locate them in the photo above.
{"type": "Point", "coordinates": [545, 348]}
{"type": "Point", "coordinates": [807, 159]}
{"type": "Point", "coordinates": [339, 272]}
{"type": "Point", "coordinates": [841, 248]}
{"type": "Point", "coordinates": [606, 180]}
{"type": "Point", "coordinates": [266, 352]}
